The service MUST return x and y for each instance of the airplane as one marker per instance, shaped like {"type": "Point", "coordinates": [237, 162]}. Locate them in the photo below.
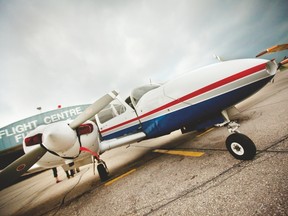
{"type": "Point", "coordinates": [194, 101]}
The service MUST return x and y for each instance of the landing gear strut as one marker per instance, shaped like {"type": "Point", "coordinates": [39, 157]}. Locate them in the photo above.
{"type": "Point", "coordinates": [102, 169]}
{"type": "Point", "coordinates": [239, 145]}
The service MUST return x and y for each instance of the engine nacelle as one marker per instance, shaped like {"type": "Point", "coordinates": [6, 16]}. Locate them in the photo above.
{"type": "Point", "coordinates": [62, 142]}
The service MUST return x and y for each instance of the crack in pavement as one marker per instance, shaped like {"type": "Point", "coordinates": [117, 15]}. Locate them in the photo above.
{"type": "Point", "coordinates": [57, 209]}
{"type": "Point", "coordinates": [198, 189]}
{"type": "Point", "coordinates": [232, 171]}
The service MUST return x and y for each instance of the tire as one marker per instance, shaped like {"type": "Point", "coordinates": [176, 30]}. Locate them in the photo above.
{"type": "Point", "coordinates": [103, 174]}
{"type": "Point", "coordinates": [240, 146]}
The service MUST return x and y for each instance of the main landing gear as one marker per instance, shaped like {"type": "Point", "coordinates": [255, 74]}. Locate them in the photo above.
{"type": "Point", "coordinates": [102, 169]}
{"type": "Point", "coordinates": [239, 145]}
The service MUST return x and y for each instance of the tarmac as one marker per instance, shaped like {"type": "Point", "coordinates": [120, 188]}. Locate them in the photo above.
{"type": "Point", "coordinates": [148, 182]}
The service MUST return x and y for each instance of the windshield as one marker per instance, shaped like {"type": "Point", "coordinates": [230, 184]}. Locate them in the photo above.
{"type": "Point", "coordinates": [137, 93]}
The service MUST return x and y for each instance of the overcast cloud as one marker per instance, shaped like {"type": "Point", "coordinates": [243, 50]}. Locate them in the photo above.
{"type": "Point", "coordinates": [72, 52]}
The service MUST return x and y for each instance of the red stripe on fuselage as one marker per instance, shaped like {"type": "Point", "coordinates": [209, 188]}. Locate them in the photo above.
{"type": "Point", "coordinates": [195, 93]}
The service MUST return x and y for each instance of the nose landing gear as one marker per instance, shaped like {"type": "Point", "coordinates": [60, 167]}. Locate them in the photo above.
{"type": "Point", "coordinates": [239, 145]}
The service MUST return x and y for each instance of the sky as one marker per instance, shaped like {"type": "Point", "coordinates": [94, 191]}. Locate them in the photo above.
{"type": "Point", "coordinates": [68, 52]}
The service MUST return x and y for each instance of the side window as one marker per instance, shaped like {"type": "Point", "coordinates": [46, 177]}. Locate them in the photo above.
{"type": "Point", "coordinates": [120, 108]}
{"type": "Point", "coordinates": [114, 109]}
{"type": "Point", "coordinates": [105, 115]}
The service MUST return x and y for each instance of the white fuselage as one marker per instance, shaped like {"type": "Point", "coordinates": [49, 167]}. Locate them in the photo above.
{"type": "Point", "coordinates": [195, 99]}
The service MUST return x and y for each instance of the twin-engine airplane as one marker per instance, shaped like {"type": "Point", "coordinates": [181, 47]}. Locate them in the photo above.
{"type": "Point", "coordinates": [194, 101]}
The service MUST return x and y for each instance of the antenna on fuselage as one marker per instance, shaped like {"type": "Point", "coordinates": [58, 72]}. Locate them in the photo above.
{"type": "Point", "coordinates": [218, 58]}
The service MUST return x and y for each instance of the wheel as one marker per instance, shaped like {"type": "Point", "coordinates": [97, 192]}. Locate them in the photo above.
{"type": "Point", "coordinates": [103, 173]}
{"type": "Point", "coordinates": [241, 146]}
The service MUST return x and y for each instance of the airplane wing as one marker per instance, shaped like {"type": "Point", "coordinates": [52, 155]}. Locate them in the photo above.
{"type": "Point", "coordinates": [117, 142]}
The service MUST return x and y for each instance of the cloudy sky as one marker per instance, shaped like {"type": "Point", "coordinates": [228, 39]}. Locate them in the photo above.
{"type": "Point", "coordinates": [72, 52]}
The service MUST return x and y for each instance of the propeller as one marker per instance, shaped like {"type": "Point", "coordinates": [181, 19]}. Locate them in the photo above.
{"type": "Point", "coordinates": [93, 109]}
{"type": "Point", "coordinates": [275, 48]}
{"type": "Point", "coordinates": [283, 64]}
{"type": "Point", "coordinates": [21, 165]}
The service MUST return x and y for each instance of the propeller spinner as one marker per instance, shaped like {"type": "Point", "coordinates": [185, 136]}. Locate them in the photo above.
{"type": "Point", "coordinates": [60, 138]}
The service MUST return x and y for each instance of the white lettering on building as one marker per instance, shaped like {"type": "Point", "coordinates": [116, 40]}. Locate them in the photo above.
{"type": "Point", "coordinates": [62, 116]}
{"type": "Point", "coordinates": [19, 131]}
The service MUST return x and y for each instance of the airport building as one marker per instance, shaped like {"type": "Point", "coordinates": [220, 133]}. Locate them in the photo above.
{"type": "Point", "coordinates": [11, 136]}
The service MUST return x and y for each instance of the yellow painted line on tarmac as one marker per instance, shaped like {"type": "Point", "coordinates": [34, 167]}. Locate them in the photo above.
{"type": "Point", "coordinates": [181, 153]}
{"type": "Point", "coordinates": [119, 177]}
{"type": "Point", "coordinates": [205, 132]}
{"type": "Point", "coordinates": [184, 153]}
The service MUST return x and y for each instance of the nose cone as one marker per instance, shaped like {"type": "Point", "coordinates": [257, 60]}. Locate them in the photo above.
{"type": "Point", "coordinates": [271, 67]}
{"type": "Point", "coordinates": [59, 137]}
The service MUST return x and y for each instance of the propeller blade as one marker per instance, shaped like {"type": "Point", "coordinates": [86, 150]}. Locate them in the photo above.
{"type": "Point", "coordinates": [275, 48]}
{"type": "Point", "coordinates": [20, 166]}
{"type": "Point", "coordinates": [93, 109]}
{"type": "Point", "coordinates": [284, 61]}
{"type": "Point", "coordinates": [283, 65]}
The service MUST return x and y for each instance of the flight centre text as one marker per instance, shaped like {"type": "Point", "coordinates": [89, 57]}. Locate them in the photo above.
{"type": "Point", "coordinates": [19, 131]}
